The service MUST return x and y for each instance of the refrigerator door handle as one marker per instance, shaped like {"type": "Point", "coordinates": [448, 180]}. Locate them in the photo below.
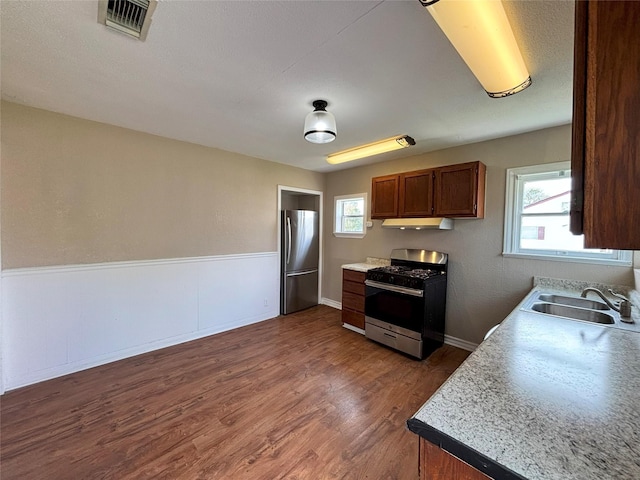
{"type": "Point", "coordinates": [297, 274]}
{"type": "Point", "coordinates": [288, 240]}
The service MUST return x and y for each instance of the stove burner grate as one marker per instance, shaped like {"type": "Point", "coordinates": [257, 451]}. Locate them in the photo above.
{"type": "Point", "coordinates": [394, 269]}
{"type": "Point", "coordinates": [422, 273]}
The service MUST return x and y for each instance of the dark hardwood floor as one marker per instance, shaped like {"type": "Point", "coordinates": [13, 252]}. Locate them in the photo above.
{"type": "Point", "coordinates": [295, 397]}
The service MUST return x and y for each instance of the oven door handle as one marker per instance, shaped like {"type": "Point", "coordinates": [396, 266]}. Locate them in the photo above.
{"type": "Point", "coordinates": [394, 288]}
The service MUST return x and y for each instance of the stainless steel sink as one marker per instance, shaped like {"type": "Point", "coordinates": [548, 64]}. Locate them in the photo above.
{"type": "Point", "coordinates": [572, 312]}
{"type": "Point", "coordinates": [573, 301]}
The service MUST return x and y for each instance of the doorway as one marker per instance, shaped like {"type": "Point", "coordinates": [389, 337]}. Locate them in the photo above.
{"type": "Point", "coordinates": [293, 198]}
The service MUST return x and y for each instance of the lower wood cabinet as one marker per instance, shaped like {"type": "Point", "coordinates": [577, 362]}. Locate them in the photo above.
{"type": "Point", "coordinates": [436, 464]}
{"type": "Point", "coordinates": [353, 298]}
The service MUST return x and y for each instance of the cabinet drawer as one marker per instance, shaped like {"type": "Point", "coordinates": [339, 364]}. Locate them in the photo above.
{"type": "Point", "coordinates": [353, 287]}
{"type": "Point", "coordinates": [353, 276]}
{"type": "Point", "coordinates": [353, 318]}
{"type": "Point", "coordinates": [353, 302]}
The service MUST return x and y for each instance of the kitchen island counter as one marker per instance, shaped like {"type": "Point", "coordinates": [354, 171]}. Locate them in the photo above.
{"type": "Point", "coordinates": [543, 398]}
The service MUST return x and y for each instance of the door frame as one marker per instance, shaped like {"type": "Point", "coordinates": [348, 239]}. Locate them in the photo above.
{"type": "Point", "coordinates": [283, 189]}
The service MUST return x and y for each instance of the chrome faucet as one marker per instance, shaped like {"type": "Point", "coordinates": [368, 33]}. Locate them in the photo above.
{"type": "Point", "coordinates": [625, 305]}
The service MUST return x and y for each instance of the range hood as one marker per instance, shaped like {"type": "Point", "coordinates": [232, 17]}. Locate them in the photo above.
{"type": "Point", "coordinates": [419, 223]}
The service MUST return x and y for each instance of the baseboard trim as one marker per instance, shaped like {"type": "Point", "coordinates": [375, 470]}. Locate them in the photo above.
{"type": "Point", "coordinates": [331, 303]}
{"type": "Point", "coordinates": [353, 329]}
{"type": "Point", "coordinates": [458, 342]}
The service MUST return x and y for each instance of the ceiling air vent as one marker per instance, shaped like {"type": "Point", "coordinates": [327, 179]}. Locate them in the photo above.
{"type": "Point", "coordinates": [132, 17]}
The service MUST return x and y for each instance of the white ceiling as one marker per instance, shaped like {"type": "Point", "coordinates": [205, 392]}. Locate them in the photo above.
{"type": "Point", "coordinates": [241, 75]}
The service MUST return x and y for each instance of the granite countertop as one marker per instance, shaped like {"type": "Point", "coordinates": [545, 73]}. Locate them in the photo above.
{"type": "Point", "coordinates": [543, 398]}
{"type": "Point", "coordinates": [371, 262]}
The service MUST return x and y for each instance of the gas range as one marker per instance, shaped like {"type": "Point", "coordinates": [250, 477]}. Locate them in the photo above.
{"type": "Point", "coordinates": [405, 302]}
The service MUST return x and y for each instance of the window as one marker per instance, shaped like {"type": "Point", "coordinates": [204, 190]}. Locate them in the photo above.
{"type": "Point", "coordinates": [537, 218]}
{"type": "Point", "coordinates": [350, 215]}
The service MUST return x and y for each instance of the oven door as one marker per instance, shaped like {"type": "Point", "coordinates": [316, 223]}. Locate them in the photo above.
{"type": "Point", "coordinates": [399, 306]}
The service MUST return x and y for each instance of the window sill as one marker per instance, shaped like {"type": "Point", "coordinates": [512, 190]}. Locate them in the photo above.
{"type": "Point", "coordinates": [348, 235]}
{"type": "Point", "coordinates": [596, 261]}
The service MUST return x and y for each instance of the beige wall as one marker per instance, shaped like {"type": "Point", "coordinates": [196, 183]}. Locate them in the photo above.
{"type": "Point", "coordinates": [76, 192]}
{"type": "Point", "coordinates": [483, 285]}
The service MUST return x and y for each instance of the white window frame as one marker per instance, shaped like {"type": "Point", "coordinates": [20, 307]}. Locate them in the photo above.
{"type": "Point", "coordinates": [337, 215]}
{"type": "Point", "coordinates": [512, 222]}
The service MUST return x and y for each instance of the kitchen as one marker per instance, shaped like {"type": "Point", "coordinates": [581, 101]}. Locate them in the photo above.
{"type": "Point", "coordinates": [111, 184]}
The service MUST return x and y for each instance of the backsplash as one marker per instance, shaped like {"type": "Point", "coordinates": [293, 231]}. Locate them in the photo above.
{"type": "Point", "coordinates": [579, 285]}
{"type": "Point", "coordinates": [378, 261]}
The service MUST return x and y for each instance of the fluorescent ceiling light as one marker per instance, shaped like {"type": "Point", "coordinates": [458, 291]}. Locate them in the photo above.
{"type": "Point", "coordinates": [371, 149]}
{"type": "Point", "coordinates": [480, 32]}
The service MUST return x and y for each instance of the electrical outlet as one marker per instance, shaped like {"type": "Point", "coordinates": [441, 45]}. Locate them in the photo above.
{"type": "Point", "coordinates": [266, 302]}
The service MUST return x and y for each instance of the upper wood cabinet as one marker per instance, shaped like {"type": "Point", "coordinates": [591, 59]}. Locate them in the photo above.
{"type": "Point", "coordinates": [459, 190]}
{"type": "Point", "coordinates": [605, 158]}
{"type": "Point", "coordinates": [384, 196]}
{"type": "Point", "coordinates": [450, 191]}
{"type": "Point", "coordinates": [416, 194]}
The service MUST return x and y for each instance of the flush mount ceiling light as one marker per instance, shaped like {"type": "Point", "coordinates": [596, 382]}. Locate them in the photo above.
{"type": "Point", "coordinates": [320, 125]}
{"type": "Point", "coordinates": [480, 32]}
{"type": "Point", "coordinates": [371, 149]}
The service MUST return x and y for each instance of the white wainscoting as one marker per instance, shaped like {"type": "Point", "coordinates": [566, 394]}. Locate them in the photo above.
{"type": "Point", "coordinates": [59, 320]}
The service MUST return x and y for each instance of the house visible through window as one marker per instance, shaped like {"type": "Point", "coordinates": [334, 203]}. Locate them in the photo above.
{"type": "Point", "coordinates": [350, 215]}
{"type": "Point", "coordinates": [537, 217]}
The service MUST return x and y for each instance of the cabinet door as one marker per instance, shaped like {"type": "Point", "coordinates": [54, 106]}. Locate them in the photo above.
{"type": "Point", "coordinates": [416, 194]}
{"type": "Point", "coordinates": [459, 190]}
{"type": "Point", "coordinates": [384, 197]}
{"type": "Point", "coordinates": [579, 117]}
{"type": "Point", "coordinates": [606, 130]}
{"type": "Point", "coordinates": [355, 319]}
{"type": "Point", "coordinates": [437, 464]}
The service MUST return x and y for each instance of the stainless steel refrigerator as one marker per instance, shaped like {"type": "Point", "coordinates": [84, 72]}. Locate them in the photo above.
{"type": "Point", "coordinates": [299, 260]}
